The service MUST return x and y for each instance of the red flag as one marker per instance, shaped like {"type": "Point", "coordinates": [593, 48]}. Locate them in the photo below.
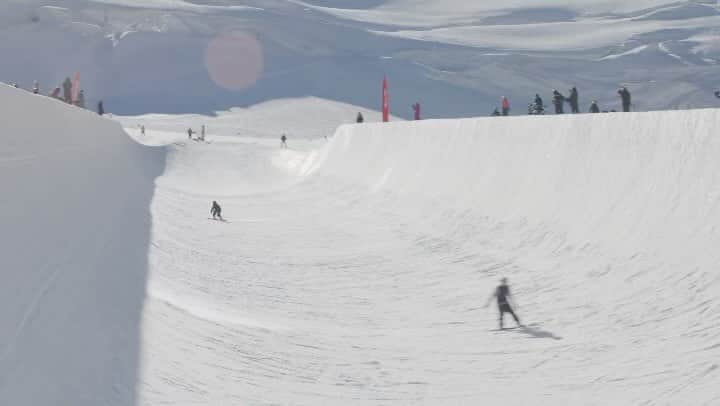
{"type": "Point", "coordinates": [76, 87]}
{"type": "Point", "coordinates": [385, 101]}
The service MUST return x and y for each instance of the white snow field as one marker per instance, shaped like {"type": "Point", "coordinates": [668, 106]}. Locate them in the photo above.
{"type": "Point", "coordinates": [75, 232]}
{"type": "Point", "coordinates": [355, 270]}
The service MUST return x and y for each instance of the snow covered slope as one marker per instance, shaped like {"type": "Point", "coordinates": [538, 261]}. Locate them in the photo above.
{"type": "Point", "coordinates": [306, 118]}
{"type": "Point", "coordinates": [75, 230]}
{"type": "Point", "coordinates": [354, 271]}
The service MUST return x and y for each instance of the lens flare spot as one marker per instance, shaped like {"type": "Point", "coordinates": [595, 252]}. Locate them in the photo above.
{"type": "Point", "coordinates": [234, 60]}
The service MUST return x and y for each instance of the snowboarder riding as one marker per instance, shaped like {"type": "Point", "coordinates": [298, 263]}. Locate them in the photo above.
{"type": "Point", "coordinates": [502, 293]}
{"type": "Point", "coordinates": [216, 211]}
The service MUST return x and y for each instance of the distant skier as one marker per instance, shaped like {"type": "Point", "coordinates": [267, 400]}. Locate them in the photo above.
{"type": "Point", "coordinates": [503, 295]}
{"type": "Point", "coordinates": [573, 100]}
{"type": "Point", "coordinates": [100, 109]}
{"type": "Point", "coordinates": [359, 118]}
{"type": "Point", "coordinates": [536, 107]}
{"type": "Point", "coordinates": [190, 132]}
{"type": "Point", "coordinates": [283, 141]}
{"type": "Point", "coordinates": [216, 211]}
{"type": "Point", "coordinates": [558, 100]}
{"type": "Point", "coordinates": [505, 104]}
{"type": "Point", "coordinates": [80, 102]}
{"type": "Point", "coordinates": [594, 107]}
{"type": "Point", "coordinates": [625, 98]}
{"type": "Point", "coordinates": [142, 130]}
{"type": "Point", "coordinates": [67, 90]}
{"type": "Point", "coordinates": [36, 87]}
{"type": "Point", "coordinates": [416, 111]}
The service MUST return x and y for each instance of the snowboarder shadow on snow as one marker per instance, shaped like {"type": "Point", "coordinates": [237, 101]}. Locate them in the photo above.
{"type": "Point", "coordinates": [536, 332]}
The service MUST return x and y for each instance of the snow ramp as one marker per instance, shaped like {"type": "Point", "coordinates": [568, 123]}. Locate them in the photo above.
{"type": "Point", "coordinates": [607, 224]}
{"type": "Point", "coordinates": [75, 223]}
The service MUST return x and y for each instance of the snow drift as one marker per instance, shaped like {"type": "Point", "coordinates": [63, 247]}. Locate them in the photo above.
{"type": "Point", "coordinates": [75, 233]}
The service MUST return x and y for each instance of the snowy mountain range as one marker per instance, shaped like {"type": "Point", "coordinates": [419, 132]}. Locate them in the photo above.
{"type": "Point", "coordinates": [456, 57]}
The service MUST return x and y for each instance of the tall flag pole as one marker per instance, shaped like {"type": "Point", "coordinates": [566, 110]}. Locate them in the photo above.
{"type": "Point", "coordinates": [385, 101]}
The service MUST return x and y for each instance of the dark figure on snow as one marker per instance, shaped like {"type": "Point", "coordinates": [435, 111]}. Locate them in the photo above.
{"type": "Point", "coordinates": [594, 107]}
{"type": "Point", "coordinates": [416, 111]}
{"type": "Point", "coordinates": [101, 109]}
{"type": "Point", "coordinates": [625, 98]}
{"type": "Point", "coordinates": [558, 100]}
{"type": "Point", "coordinates": [36, 87]}
{"type": "Point", "coordinates": [216, 211]}
{"type": "Point", "coordinates": [359, 118]}
{"type": "Point", "coordinates": [190, 133]}
{"type": "Point", "coordinates": [67, 90]}
{"type": "Point", "coordinates": [573, 100]}
{"type": "Point", "coordinates": [142, 130]}
{"type": "Point", "coordinates": [80, 102]}
{"type": "Point", "coordinates": [536, 107]}
{"type": "Point", "coordinates": [502, 294]}
{"type": "Point", "coordinates": [283, 141]}
{"type": "Point", "coordinates": [505, 104]}
{"type": "Point", "coordinates": [717, 94]}
{"type": "Point", "coordinates": [495, 112]}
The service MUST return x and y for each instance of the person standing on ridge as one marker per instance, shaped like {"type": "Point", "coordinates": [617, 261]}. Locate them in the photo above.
{"type": "Point", "coordinates": [503, 295]}
{"type": "Point", "coordinates": [359, 118]}
{"type": "Point", "coordinates": [505, 104]}
{"type": "Point", "coordinates": [36, 87]}
{"type": "Point", "coordinates": [558, 100]}
{"type": "Point", "coordinates": [594, 107]}
{"type": "Point", "coordinates": [216, 211]}
{"type": "Point", "coordinates": [190, 133]}
{"type": "Point", "coordinates": [101, 109]}
{"type": "Point", "coordinates": [625, 98]}
{"type": "Point", "coordinates": [67, 90]}
{"type": "Point", "coordinates": [283, 141]}
{"type": "Point", "coordinates": [80, 102]}
{"type": "Point", "coordinates": [416, 111]}
{"type": "Point", "coordinates": [573, 100]}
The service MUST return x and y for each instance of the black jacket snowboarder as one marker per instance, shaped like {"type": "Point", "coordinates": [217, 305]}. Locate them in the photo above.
{"type": "Point", "coordinates": [536, 107]}
{"type": "Point", "coordinates": [558, 100]}
{"type": "Point", "coordinates": [594, 107]}
{"type": "Point", "coordinates": [360, 118]}
{"type": "Point", "coordinates": [67, 90]}
{"type": "Point", "coordinates": [625, 98]}
{"type": "Point", "coordinates": [503, 296]}
{"type": "Point", "coordinates": [573, 100]}
{"type": "Point", "coordinates": [216, 211]}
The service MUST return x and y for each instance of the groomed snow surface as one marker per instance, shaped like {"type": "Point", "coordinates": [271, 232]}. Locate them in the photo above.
{"type": "Point", "coordinates": [354, 270]}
